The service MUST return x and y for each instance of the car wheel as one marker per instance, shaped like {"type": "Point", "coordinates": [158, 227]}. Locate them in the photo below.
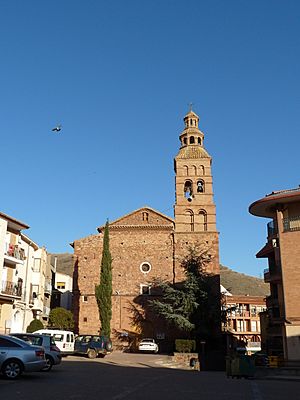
{"type": "Point", "coordinates": [108, 346]}
{"type": "Point", "coordinates": [49, 364]}
{"type": "Point", "coordinates": [12, 369]}
{"type": "Point", "coordinates": [91, 353]}
{"type": "Point", "coordinates": [101, 355]}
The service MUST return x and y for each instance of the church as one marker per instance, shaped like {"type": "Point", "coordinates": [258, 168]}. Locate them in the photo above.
{"type": "Point", "coordinates": [146, 244]}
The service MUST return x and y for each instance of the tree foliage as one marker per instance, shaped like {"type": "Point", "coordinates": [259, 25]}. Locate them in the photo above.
{"type": "Point", "coordinates": [103, 291]}
{"type": "Point", "coordinates": [34, 325]}
{"type": "Point", "coordinates": [189, 306]}
{"type": "Point", "coordinates": [61, 318]}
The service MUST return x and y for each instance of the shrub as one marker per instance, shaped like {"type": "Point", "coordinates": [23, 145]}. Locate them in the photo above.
{"type": "Point", "coordinates": [61, 318]}
{"type": "Point", "coordinates": [185, 345]}
{"type": "Point", "coordinates": [34, 325]}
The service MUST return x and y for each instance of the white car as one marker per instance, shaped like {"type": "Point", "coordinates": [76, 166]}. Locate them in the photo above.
{"type": "Point", "coordinates": [148, 345]}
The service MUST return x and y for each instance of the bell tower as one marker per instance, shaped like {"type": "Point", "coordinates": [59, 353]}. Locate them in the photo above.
{"type": "Point", "coordinates": [194, 210]}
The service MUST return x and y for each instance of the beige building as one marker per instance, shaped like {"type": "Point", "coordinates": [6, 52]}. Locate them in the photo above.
{"type": "Point", "coordinates": [26, 278]}
{"type": "Point", "coordinates": [282, 251]}
{"type": "Point", "coordinates": [146, 244]}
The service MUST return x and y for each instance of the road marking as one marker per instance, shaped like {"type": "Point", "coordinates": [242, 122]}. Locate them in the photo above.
{"type": "Point", "coordinates": [256, 392]}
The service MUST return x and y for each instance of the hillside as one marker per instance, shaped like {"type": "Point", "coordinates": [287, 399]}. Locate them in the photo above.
{"type": "Point", "coordinates": [241, 284]}
{"type": "Point", "coordinates": [64, 263]}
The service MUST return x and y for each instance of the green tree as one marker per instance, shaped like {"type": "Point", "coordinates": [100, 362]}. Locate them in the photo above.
{"type": "Point", "coordinates": [103, 291]}
{"type": "Point", "coordinates": [34, 325]}
{"type": "Point", "coordinates": [189, 306]}
{"type": "Point", "coordinates": [61, 318]}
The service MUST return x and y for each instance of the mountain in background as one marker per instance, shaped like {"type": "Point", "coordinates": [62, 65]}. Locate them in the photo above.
{"type": "Point", "coordinates": [240, 284]}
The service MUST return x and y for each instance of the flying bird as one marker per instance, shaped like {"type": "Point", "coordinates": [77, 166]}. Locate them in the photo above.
{"type": "Point", "coordinates": [57, 128]}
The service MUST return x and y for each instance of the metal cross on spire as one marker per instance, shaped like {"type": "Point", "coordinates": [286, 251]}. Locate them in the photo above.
{"type": "Point", "coordinates": [190, 106]}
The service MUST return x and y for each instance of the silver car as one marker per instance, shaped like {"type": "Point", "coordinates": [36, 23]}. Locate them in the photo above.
{"type": "Point", "coordinates": [52, 352]}
{"type": "Point", "coordinates": [17, 356]}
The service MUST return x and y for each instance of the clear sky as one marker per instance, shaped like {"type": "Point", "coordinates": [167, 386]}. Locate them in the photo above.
{"type": "Point", "coordinates": [118, 75]}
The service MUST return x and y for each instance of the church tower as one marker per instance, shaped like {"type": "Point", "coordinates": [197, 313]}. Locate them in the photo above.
{"type": "Point", "coordinates": [194, 210]}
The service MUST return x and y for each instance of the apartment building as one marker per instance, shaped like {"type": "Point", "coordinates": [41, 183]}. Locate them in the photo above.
{"type": "Point", "coordinates": [282, 251]}
{"type": "Point", "coordinates": [243, 321]}
{"type": "Point", "coordinates": [25, 271]}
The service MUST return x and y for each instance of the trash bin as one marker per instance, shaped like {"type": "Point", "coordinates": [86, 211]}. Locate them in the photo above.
{"type": "Point", "coordinates": [240, 366]}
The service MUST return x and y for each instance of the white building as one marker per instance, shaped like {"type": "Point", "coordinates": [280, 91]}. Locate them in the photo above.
{"type": "Point", "coordinates": [25, 272]}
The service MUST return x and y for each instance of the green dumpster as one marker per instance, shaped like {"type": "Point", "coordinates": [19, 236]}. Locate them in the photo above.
{"type": "Point", "coordinates": [241, 366]}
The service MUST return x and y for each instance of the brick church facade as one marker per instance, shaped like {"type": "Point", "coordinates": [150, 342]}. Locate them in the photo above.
{"type": "Point", "coordinates": [146, 244]}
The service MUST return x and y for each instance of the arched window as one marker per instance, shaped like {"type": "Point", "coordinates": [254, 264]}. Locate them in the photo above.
{"type": "Point", "coordinates": [201, 170]}
{"type": "Point", "coordinates": [185, 170]}
{"type": "Point", "coordinates": [202, 219]}
{"type": "Point", "coordinates": [194, 170]}
{"type": "Point", "coordinates": [184, 140]}
{"type": "Point", "coordinates": [192, 140]}
{"type": "Point", "coordinates": [199, 140]}
{"type": "Point", "coordinates": [200, 186]}
{"type": "Point", "coordinates": [190, 216]}
{"type": "Point", "coordinates": [188, 190]}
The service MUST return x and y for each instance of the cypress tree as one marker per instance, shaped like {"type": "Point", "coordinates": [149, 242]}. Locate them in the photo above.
{"type": "Point", "coordinates": [103, 291]}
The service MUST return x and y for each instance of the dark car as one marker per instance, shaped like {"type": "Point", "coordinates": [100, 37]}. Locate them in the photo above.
{"type": "Point", "coordinates": [92, 345]}
{"type": "Point", "coordinates": [52, 353]}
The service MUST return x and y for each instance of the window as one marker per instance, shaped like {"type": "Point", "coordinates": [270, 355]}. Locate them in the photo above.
{"type": "Point", "coordinates": [145, 267]}
{"type": "Point", "coordinates": [8, 343]}
{"type": "Point", "coordinates": [61, 285]}
{"type": "Point", "coordinates": [145, 216]}
{"type": "Point", "coordinates": [85, 299]}
{"type": "Point", "coordinates": [145, 289]}
{"type": "Point", "coordinates": [253, 326]}
{"type": "Point", "coordinates": [188, 190]}
{"type": "Point", "coordinates": [190, 216]}
{"type": "Point", "coordinates": [200, 186]}
{"type": "Point", "coordinates": [85, 319]}
{"type": "Point", "coordinates": [36, 265]}
{"type": "Point", "coordinates": [202, 220]}
{"type": "Point", "coordinates": [192, 140]}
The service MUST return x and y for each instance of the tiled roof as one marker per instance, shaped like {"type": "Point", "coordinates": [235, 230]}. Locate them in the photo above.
{"type": "Point", "coordinates": [193, 152]}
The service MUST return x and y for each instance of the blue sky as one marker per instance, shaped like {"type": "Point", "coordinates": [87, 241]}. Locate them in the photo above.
{"type": "Point", "coordinates": [118, 75]}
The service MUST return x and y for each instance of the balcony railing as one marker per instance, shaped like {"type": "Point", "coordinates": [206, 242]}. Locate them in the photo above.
{"type": "Point", "coordinates": [11, 288]}
{"type": "Point", "coordinates": [291, 224]}
{"type": "Point", "coordinates": [13, 250]}
{"type": "Point", "coordinates": [272, 228]}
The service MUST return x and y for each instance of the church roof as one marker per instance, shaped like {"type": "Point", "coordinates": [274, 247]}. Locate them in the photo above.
{"type": "Point", "coordinates": [159, 220]}
{"type": "Point", "coordinates": [192, 152]}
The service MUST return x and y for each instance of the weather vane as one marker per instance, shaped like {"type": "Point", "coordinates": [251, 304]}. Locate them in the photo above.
{"type": "Point", "coordinates": [190, 106]}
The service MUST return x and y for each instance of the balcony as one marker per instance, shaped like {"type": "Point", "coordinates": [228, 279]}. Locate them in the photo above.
{"type": "Point", "coordinates": [272, 228]}
{"type": "Point", "coordinates": [272, 275]}
{"type": "Point", "coordinates": [291, 224]}
{"type": "Point", "coordinates": [14, 254]}
{"type": "Point", "coordinates": [271, 302]}
{"type": "Point", "coordinates": [11, 289]}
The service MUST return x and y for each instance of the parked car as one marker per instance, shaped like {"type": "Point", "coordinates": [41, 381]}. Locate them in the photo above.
{"type": "Point", "coordinates": [17, 356]}
{"type": "Point", "coordinates": [92, 345]}
{"type": "Point", "coordinates": [64, 340]}
{"type": "Point", "coordinates": [52, 352]}
{"type": "Point", "coordinates": [148, 345]}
